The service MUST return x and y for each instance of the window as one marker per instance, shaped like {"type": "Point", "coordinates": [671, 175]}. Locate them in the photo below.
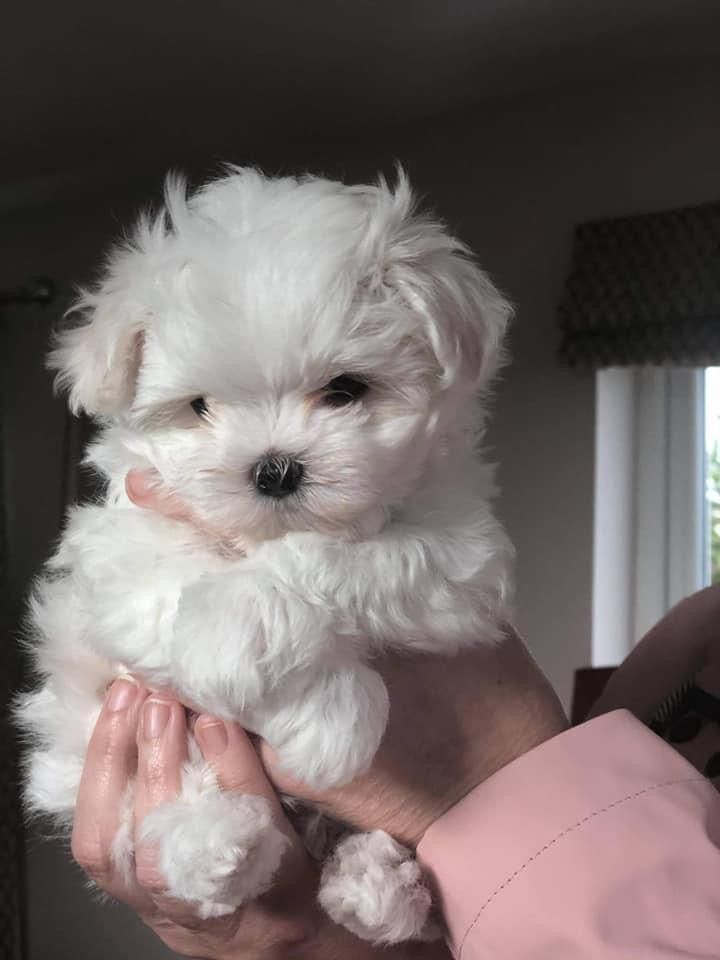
{"type": "Point", "coordinates": [657, 498]}
{"type": "Point", "coordinates": [644, 290]}
{"type": "Point", "coordinates": [711, 519]}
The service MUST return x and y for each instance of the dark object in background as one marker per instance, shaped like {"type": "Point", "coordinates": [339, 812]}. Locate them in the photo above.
{"type": "Point", "coordinates": [680, 719]}
{"type": "Point", "coordinates": [589, 684]}
{"type": "Point", "coordinates": [35, 291]}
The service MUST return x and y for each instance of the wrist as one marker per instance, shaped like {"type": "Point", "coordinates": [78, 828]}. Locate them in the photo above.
{"type": "Point", "coordinates": [515, 735]}
{"type": "Point", "coordinates": [454, 722]}
{"type": "Point", "coordinates": [505, 733]}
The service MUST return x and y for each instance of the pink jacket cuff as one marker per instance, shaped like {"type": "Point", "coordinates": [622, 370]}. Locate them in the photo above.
{"type": "Point", "coordinates": [602, 842]}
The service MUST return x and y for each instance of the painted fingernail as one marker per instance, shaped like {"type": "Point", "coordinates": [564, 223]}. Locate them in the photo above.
{"type": "Point", "coordinates": [121, 695]}
{"type": "Point", "coordinates": [212, 735]}
{"type": "Point", "coordinates": [155, 718]}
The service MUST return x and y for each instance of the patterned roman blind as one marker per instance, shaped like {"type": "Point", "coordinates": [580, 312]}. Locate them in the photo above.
{"type": "Point", "coordinates": [644, 290]}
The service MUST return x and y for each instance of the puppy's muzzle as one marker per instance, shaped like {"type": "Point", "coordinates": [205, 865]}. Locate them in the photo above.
{"type": "Point", "coordinates": [277, 476]}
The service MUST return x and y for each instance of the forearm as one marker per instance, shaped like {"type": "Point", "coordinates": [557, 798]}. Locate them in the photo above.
{"type": "Point", "coordinates": [583, 841]}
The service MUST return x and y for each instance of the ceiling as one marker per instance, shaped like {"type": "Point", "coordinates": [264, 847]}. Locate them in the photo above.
{"type": "Point", "coordinates": [88, 84]}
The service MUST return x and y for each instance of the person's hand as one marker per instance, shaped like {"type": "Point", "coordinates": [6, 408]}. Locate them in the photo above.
{"type": "Point", "coordinates": [454, 721]}
{"type": "Point", "coordinates": [682, 648]}
{"type": "Point", "coordinates": [123, 746]}
{"type": "Point", "coordinates": [671, 680]}
{"type": "Point", "coordinates": [139, 743]}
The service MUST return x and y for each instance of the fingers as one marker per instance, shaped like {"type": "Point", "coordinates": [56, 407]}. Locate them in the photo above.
{"type": "Point", "coordinates": [107, 775]}
{"type": "Point", "coordinates": [237, 766]}
{"type": "Point", "coordinates": [162, 751]}
{"type": "Point", "coordinates": [231, 754]}
{"type": "Point", "coordinates": [144, 490]}
{"type": "Point", "coordinates": [136, 754]}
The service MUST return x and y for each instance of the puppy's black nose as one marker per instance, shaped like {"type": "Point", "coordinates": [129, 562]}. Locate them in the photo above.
{"type": "Point", "coordinates": [277, 476]}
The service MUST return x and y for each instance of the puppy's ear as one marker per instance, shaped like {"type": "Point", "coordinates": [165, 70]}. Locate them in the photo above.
{"type": "Point", "coordinates": [98, 358]}
{"type": "Point", "coordinates": [464, 315]}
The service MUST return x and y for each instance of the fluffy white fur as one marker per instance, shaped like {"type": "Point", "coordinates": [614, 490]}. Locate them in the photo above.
{"type": "Point", "coordinates": [254, 294]}
{"type": "Point", "coordinates": [374, 887]}
{"type": "Point", "coordinates": [217, 850]}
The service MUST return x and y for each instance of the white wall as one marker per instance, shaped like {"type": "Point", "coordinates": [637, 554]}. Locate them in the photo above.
{"type": "Point", "coordinates": [513, 178]}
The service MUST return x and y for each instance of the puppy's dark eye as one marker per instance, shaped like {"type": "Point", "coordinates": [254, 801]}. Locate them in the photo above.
{"type": "Point", "coordinates": [199, 405]}
{"type": "Point", "coordinates": [344, 390]}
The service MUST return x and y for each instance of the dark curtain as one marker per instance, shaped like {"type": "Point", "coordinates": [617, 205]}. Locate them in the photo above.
{"type": "Point", "coordinates": [644, 290]}
{"type": "Point", "coordinates": [40, 449]}
{"type": "Point", "coordinates": [11, 851]}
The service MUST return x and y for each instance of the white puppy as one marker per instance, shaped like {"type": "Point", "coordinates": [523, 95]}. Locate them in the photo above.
{"type": "Point", "coordinates": [300, 361]}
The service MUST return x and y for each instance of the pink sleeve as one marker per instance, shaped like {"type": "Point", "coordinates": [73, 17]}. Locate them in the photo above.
{"type": "Point", "coordinates": [601, 843]}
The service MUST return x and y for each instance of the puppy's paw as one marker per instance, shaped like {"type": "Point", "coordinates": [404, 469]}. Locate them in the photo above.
{"type": "Point", "coordinates": [217, 851]}
{"type": "Point", "coordinates": [374, 887]}
{"type": "Point", "coordinates": [332, 734]}
{"type": "Point", "coordinates": [254, 636]}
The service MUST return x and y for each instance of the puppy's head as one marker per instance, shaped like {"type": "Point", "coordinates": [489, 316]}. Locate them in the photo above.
{"type": "Point", "coordinates": [285, 352]}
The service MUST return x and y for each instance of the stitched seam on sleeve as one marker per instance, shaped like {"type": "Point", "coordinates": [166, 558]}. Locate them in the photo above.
{"type": "Point", "coordinates": [568, 830]}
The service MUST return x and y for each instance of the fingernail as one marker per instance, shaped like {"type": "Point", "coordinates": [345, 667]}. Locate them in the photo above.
{"type": "Point", "coordinates": [212, 735]}
{"type": "Point", "coordinates": [140, 482]}
{"type": "Point", "coordinates": [144, 489]}
{"type": "Point", "coordinates": [155, 718]}
{"type": "Point", "coordinates": [121, 695]}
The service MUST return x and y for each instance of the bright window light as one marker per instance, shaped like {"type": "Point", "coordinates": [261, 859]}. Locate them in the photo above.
{"type": "Point", "coordinates": [712, 475]}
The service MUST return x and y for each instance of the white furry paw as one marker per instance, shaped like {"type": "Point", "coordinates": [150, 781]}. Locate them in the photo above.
{"type": "Point", "coordinates": [216, 851]}
{"type": "Point", "coordinates": [374, 887]}
{"type": "Point", "coordinates": [331, 735]}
